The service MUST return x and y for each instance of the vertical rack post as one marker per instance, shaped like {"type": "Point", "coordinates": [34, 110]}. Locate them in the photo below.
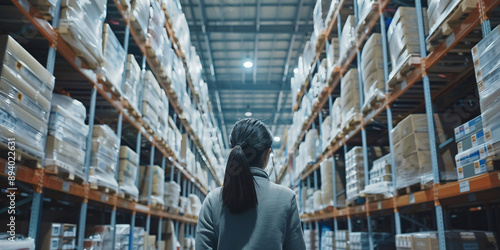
{"type": "Point", "coordinates": [88, 152]}
{"type": "Point", "coordinates": [430, 122]}
{"type": "Point", "coordinates": [37, 202]}
{"type": "Point", "coordinates": [150, 186]}
{"type": "Point", "coordinates": [334, 182]}
{"type": "Point", "coordinates": [385, 59]}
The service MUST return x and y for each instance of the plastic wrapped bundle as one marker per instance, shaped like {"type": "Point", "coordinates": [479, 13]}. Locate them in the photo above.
{"type": "Point", "coordinates": [317, 201]}
{"type": "Point", "coordinates": [380, 178]}
{"type": "Point", "coordinates": [46, 8]}
{"type": "Point", "coordinates": [336, 118]}
{"type": "Point", "coordinates": [326, 129]}
{"type": "Point", "coordinates": [151, 104]}
{"type": "Point", "coordinates": [114, 57]}
{"type": "Point", "coordinates": [349, 92]}
{"type": "Point", "coordinates": [373, 67]}
{"type": "Point", "coordinates": [156, 32]}
{"type": "Point", "coordinates": [127, 172]}
{"type": "Point", "coordinates": [355, 174]}
{"type": "Point", "coordinates": [172, 194]}
{"type": "Point", "coordinates": [331, 9]}
{"type": "Point", "coordinates": [132, 86]}
{"type": "Point", "coordinates": [402, 35]}
{"type": "Point", "coordinates": [66, 141]}
{"type": "Point", "coordinates": [195, 204]}
{"type": "Point", "coordinates": [139, 17]}
{"type": "Point", "coordinates": [157, 184]}
{"type": "Point", "coordinates": [185, 205]}
{"type": "Point", "coordinates": [332, 55]}
{"type": "Point", "coordinates": [105, 149]}
{"type": "Point", "coordinates": [26, 89]}
{"type": "Point", "coordinates": [347, 40]}
{"type": "Point", "coordinates": [181, 29]}
{"type": "Point", "coordinates": [81, 27]}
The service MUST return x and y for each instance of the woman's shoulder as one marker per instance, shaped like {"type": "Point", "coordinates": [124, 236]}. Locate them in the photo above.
{"type": "Point", "coordinates": [283, 191]}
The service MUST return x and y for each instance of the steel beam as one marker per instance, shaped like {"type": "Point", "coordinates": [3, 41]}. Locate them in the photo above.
{"type": "Point", "coordinates": [248, 29]}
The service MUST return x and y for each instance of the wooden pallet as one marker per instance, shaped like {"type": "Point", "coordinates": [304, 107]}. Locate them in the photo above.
{"type": "Point", "coordinates": [112, 88]}
{"type": "Point", "coordinates": [127, 196]}
{"type": "Point", "coordinates": [414, 188]}
{"type": "Point", "coordinates": [96, 186]}
{"type": "Point", "coordinates": [374, 197]}
{"type": "Point", "coordinates": [138, 29]}
{"type": "Point", "coordinates": [21, 156]}
{"type": "Point", "coordinates": [355, 202]}
{"type": "Point", "coordinates": [321, 42]}
{"type": "Point", "coordinates": [448, 21]}
{"type": "Point", "coordinates": [63, 173]}
{"type": "Point", "coordinates": [156, 205]}
{"type": "Point", "coordinates": [398, 74]}
{"type": "Point", "coordinates": [352, 123]}
{"type": "Point", "coordinates": [374, 103]}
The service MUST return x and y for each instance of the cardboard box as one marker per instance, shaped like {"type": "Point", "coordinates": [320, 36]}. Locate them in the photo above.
{"type": "Point", "coordinates": [471, 141]}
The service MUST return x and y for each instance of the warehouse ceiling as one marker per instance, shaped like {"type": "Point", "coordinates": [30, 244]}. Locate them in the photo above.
{"type": "Point", "coordinates": [271, 34]}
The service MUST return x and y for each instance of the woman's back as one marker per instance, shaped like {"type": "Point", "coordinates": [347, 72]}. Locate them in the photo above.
{"type": "Point", "coordinates": [273, 224]}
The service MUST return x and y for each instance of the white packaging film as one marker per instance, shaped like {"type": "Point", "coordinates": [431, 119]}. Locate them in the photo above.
{"type": "Point", "coordinates": [348, 38]}
{"type": "Point", "coordinates": [354, 173]}
{"type": "Point", "coordinates": [172, 194]}
{"type": "Point", "coordinates": [157, 186]}
{"type": "Point", "coordinates": [114, 57]}
{"type": "Point", "coordinates": [127, 172]}
{"type": "Point", "coordinates": [380, 177]}
{"type": "Point", "coordinates": [81, 27]}
{"type": "Point", "coordinates": [140, 17]}
{"type": "Point", "coordinates": [132, 86]}
{"type": "Point", "coordinates": [105, 149]}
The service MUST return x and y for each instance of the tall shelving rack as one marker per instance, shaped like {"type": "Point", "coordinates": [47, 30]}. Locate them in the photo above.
{"type": "Point", "coordinates": [42, 182]}
{"type": "Point", "coordinates": [481, 188]}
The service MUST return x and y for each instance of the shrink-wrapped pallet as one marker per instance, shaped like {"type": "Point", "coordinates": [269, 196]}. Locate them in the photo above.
{"type": "Point", "coordinates": [347, 39]}
{"type": "Point", "coordinates": [381, 177]}
{"type": "Point", "coordinates": [327, 194]}
{"type": "Point", "coordinates": [326, 129]}
{"type": "Point", "coordinates": [127, 172]}
{"type": "Point", "coordinates": [151, 103]}
{"type": "Point", "coordinates": [26, 90]}
{"type": "Point", "coordinates": [195, 204]}
{"type": "Point", "coordinates": [105, 149]}
{"type": "Point", "coordinates": [172, 194]}
{"type": "Point", "coordinates": [139, 17]}
{"type": "Point", "coordinates": [114, 57]}
{"type": "Point", "coordinates": [454, 240]}
{"type": "Point", "coordinates": [336, 117]}
{"type": "Point", "coordinates": [81, 26]}
{"type": "Point", "coordinates": [372, 67]}
{"type": "Point", "coordinates": [332, 55]}
{"type": "Point", "coordinates": [354, 173]}
{"type": "Point", "coordinates": [157, 184]}
{"type": "Point", "coordinates": [132, 86]}
{"type": "Point", "coordinates": [349, 93]}
{"type": "Point", "coordinates": [67, 137]}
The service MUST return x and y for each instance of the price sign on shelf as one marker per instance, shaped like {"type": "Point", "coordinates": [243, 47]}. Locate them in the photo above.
{"type": "Point", "coordinates": [464, 186]}
{"type": "Point", "coordinates": [412, 198]}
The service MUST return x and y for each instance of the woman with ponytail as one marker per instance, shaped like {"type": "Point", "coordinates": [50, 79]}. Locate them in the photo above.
{"type": "Point", "coordinates": [249, 211]}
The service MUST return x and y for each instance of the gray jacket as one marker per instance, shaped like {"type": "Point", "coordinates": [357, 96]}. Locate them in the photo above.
{"type": "Point", "coordinates": [273, 224]}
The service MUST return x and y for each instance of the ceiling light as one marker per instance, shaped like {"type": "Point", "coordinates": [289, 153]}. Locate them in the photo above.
{"type": "Point", "coordinates": [248, 64]}
{"type": "Point", "coordinates": [248, 114]}
{"type": "Point", "coordinates": [277, 139]}
{"type": "Point", "coordinates": [296, 70]}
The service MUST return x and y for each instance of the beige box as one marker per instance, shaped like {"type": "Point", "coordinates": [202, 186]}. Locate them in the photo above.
{"type": "Point", "coordinates": [415, 142]}
{"type": "Point", "coordinates": [158, 180]}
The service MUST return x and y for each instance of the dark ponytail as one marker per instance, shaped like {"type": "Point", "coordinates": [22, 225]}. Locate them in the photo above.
{"type": "Point", "coordinates": [250, 138]}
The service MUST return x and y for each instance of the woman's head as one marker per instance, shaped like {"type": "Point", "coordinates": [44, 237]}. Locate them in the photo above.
{"type": "Point", "coordinates": [251, 145]}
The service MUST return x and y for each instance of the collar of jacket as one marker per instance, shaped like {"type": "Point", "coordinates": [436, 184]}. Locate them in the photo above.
{"type": "Point", "coordinates": [259, 172]}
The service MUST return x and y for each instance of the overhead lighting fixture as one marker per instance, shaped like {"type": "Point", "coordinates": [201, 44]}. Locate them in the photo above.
{"type": "Point", "coordinates": [296, 70]}
{"type": "Point", "coordinates": [248, 64]}
{"type": "Point", "coordinates": [248, 113]}
{"type": "Point", "coordinates": [277, 139]}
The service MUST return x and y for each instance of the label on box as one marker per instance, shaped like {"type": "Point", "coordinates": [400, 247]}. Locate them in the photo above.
{"type": "Point", "coordinates": [480, 86]}
{"type": "Point", "coordinates": [482, 153]}
{"type": "Point", "coordinates": [460, 171]}
{"type": "Point", "coordinates": [460, 147]}
{"type": "Point", "coordinates": [464, 186]}
{"type": "Point", "coordinates": [54, 243]}
{"type": "Point", "coordinates": [487, 134]}
{"type": "Point", "coordinates": [477, 167]}
{"type": "Point", "coordinates": [466, 128]}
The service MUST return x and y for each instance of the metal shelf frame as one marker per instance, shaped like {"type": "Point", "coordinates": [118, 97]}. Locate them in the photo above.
{"type": "Point", "coordinates": [483, 187]}
{"type": "Point", "coordinates": [40, 180]}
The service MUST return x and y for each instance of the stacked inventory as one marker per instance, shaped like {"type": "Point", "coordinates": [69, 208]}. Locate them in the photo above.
{"type": "Point", "coordinates": [472, 154]}
{"type": "Point", "coordinates": [327, 195]}
{"type": "Point", "coordinates": [311, 239]}
{"type": "Point", "coordinates": [349, 93]}
{"type": "Point", "coordinates": [163, 116]}
{"type": "Point", "coordinates": [158, 42]}
{"type": "Point", "coordinates": [317, 200]}
{"type": "Point", "coordinates": [172, 194]}
{"type": "Point", "coordinates": [360, 240]}
{"type": "Point", "coordinates": [319, 80]}
{"type": "Point", "coordinates": [327, 239]}
{"type": "Point", "coordinates": [127, 173]}
{"type": "Point", "coordinates": [57, 236]}
{"type": "Point", "coordinates": [487, 69]}
{"type": "Point", "coordinates": [326, 129]}
{"type": "Point", "coordinates": [373, 68]}
{"type": "Point", "coordinates": [307, 152]}
{"type": "Point", "coordinates": [412, 152]}
{"type": "Point", "coordinates": [105, 149]}
{"type": "Point", "coordinates": [132, 86]}
{"type": "Point", "coordinates": [185, 205]}
{"type": "Point", "coordinates": [336, 119]}
{"type": "Point", "coordinates": [139, 18]}
{"type": "Point", "coordinates": [354, 173]}
{"type": "Point", "coordinates": [114, 58]}
{"type": "Point", "coordinates": [347, 40]}
{"type": "Point", "coordinates": [81, 26]}
{"type": "Point", "coordinates": [332, 55]}
{"type": "Point", "coordinates": [26, 90]}
{"type": "Point", "coordinates": [402, 37]}
{"type": "Point", "coordinates": [46, 8]}
{"type": "Point", "coordinates": [101, 237]}
{"type": "Point", "coordinates": [151, 104]}
{"type": "Point", "coordinates": [154, 176]}
{"type": "Point", "coordinates": [67, 137]}
{"type": "Point", "coordinates": [341, 239]}
{"type": "Point", "coordinates": [454, 240]}
{"type": "Point", "coordinates": [380, 177]}
{"type": "Point", "coordinates": [195, 204]}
